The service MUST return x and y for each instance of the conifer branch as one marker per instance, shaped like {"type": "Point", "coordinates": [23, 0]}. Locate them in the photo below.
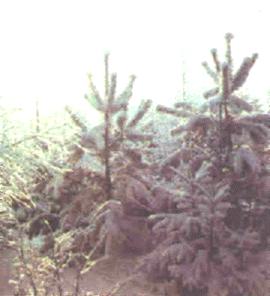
{"type": "Point", "coordinates": [215, 59]}
{"type": "Point", "coordinates": [211, 92]}
{"type": "Point", "coordinates": [125, 96]}
{"type": "Point", "coordinates": [210, 72]}
{"type": "Point", "coordinates": [76, 119]}
{"type": "Point", "coordinates": [172, 111]}
{"type": "Point", "coordinates": [243, 72]}
{"type": "Point", "coordinates": [143, 108]}
{"type": "Point", "coordinates": [94, 97]}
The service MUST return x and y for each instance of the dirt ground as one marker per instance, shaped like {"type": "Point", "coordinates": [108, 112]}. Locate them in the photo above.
{"type": "Point", "coordinates": [5, 272]}
{"type": "Point", "coordinates": [101, 280]}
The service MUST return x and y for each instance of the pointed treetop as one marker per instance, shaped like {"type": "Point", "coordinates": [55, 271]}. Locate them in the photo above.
{"type": "Point", "coordinates": [112, 90]}
{"type": "Point", "coordinates": [106, 56]}
{"type": "Point", "coordinates": [106, 63]}
{"type": "Point", "coordinates": [229, 36]}
{"type": "Point", "coordinates": [132, 77]}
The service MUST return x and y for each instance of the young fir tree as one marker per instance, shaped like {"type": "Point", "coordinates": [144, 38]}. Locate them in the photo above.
{"type": "Point", "coordinates": [118, 139]}
{"type": "Point", "coordinates": [119, 147]}
{"type": "Point", "coordinates": [216, 242]}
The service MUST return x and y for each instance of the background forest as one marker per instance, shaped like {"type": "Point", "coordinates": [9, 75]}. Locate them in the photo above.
{"type": "Point", "coordinates": [178, 196]}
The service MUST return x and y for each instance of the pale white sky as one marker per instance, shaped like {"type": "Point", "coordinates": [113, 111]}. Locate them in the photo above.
{"type": "Point", "coordinates": [47, 47]}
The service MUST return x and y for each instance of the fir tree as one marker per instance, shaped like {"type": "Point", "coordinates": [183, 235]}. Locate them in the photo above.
{"type": "Point", "coordinates": [118, 138]}
{"type": "Point", "coordinates": [216, 241]}
{"type": "Point", "coordinates": [119, 147]}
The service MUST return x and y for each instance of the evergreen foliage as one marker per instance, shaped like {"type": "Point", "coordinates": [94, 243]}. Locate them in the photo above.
{"type": "Point", "coordinates": [117, 140]}
{"type": "Point", "coordinates": [116, 151]}
{"type": "Point", "coordinates": [188, 188]}
{"type": "Point", "coordinates": [27, 158]}
{"type": "Point", "coordinates": [215, 242]}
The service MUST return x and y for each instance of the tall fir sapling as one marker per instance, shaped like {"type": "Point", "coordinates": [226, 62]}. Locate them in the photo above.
{"type": "Point", "coordinates": [118, 137]}
{"type": "Point", "coordinates": [216, 242]}
{"type": "Point", "coordinates": [119, 147]}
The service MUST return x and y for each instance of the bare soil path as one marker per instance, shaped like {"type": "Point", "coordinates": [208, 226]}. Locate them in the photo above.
{"type": "Point", "coordinates": [101, 280]}
{"type": "Point", "coordinates": [5, 272]}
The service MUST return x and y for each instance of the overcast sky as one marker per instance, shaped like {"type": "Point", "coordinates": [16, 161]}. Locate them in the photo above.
{"type": "Point", "coordinates": [47, 47]}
